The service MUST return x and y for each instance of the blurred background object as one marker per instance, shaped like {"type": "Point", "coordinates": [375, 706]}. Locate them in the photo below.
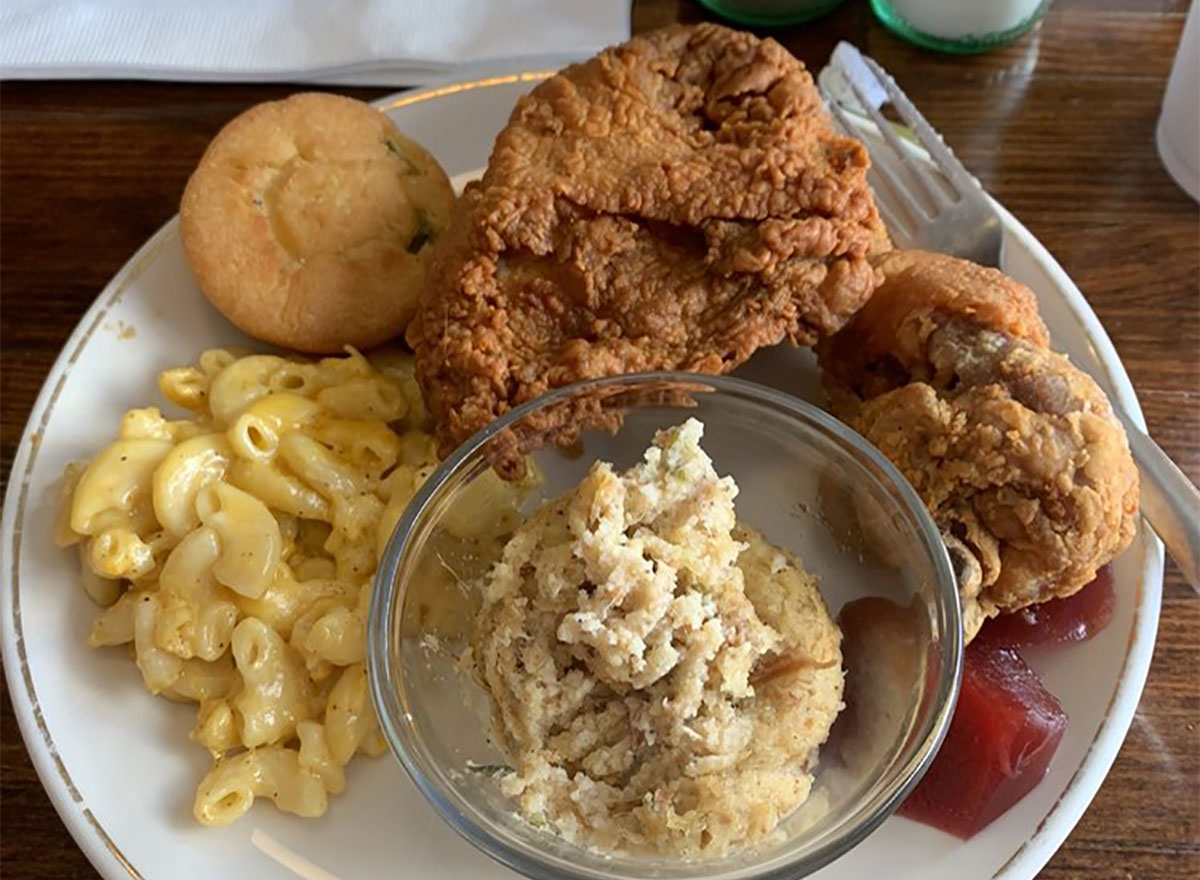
{"type": "Point", "coordinates": [1179, 124]}
{"type": "Point", "coordinates": [963, 26]}
{"type": "Point", "coordinates": [770, 13]}
{"type": "Point", "coordinates": [368, 42]}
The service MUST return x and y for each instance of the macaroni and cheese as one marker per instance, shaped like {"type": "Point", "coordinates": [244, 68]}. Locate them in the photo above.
{"type": "Point", "coordinates": [234, 551]}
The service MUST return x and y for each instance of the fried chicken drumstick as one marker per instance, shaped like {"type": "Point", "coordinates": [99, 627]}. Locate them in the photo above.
{"type": "Point", "coordinates": [1016, 453]}
{"type": "Point", "coordinates": [674, 203]}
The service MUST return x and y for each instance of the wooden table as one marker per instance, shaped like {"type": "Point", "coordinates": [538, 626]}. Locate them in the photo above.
{"type": "Point", "coordinates": [1059, 127]}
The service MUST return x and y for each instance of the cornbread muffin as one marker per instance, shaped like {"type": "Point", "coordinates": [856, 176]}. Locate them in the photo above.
{"type": "Point", "coordinates": [660, 677]}
{"type": "Point", "coordinates": [309, 221]}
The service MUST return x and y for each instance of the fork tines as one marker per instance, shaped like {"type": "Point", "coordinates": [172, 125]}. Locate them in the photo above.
{"type": "Point", "coordinates": [937, 203]}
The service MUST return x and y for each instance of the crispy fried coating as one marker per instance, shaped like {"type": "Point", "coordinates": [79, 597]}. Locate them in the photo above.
{"type": "Point", "coordinates": [888, 342]}
{"type": "Point", "coordinates": [674, 203]}
{"type": "Point", "coordinates": [1016, 453]}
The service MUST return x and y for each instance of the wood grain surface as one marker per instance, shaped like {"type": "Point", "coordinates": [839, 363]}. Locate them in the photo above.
{"type": "Point", "coordinates": [1060, 127]}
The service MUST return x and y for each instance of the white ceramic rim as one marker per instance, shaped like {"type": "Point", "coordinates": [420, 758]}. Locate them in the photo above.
{"type": "Point", "coordinates": [103, 852]}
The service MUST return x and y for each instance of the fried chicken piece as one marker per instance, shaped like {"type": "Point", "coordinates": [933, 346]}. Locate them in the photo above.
{"type": "Point", "coordinates": [674, 203]}
{"type": "Point", "coordinates": [887, 344]}
{"type": "Point", "coordinates": [1016, 453]}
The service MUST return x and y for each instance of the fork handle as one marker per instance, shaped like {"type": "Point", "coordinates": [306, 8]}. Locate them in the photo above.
{"type": "Point", "coordinates": [1169, 502]}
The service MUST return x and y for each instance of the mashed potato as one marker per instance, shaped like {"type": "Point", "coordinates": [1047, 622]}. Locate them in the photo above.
{"type": "Point", "coordinates": [660, 678]}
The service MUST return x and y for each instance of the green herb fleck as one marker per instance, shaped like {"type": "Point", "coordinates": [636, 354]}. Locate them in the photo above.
{"type": "Point", "coordinates": [489, 769]}
{"type": "Point", "coordinates": [426, 232]}
{"type": "Point", "coordinates": [410, 167]}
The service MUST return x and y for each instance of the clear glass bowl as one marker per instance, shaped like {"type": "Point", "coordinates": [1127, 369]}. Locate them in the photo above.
{"type": "Point", "coordinates": [809, 483]}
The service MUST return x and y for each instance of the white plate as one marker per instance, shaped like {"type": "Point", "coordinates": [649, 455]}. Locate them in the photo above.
{"type": "Point", "coordinates": [117, 763]}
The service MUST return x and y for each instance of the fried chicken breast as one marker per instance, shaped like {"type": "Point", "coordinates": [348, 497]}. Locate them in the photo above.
{"type": "Point", "coordinates": [674, 203]}
{"type": "Point", "coordinates": [1016, 453]}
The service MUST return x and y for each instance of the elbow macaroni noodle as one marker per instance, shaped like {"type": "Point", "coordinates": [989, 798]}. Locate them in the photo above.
{"type": "Point", "coordinates": [234, 551]}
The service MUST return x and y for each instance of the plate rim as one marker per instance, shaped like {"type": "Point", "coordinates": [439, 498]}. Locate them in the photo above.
{"type": "Point", "coordinates": [101, 850]}
{"type": "Point", "coordinates": [1083, 786]}
{"type": "Point", "coordinates": [104, 853]}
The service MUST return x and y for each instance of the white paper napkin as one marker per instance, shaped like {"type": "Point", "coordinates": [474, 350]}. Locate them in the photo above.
{"type": "Point", "coordinates": [367, 42]}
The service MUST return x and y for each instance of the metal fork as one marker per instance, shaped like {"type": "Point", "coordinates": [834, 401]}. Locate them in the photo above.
{"type": "Point", "coordinates": [942, 207]}
{"type": "Point", "coordinates": [947, 211]}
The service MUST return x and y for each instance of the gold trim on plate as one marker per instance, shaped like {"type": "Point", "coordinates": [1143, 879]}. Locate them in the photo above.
{"type": "Point", "coordinates": [122, 280]}
{"type": "Point", "coordinates": [1073, 781]}
{"type": "Point", "coordinates": [407, 100]}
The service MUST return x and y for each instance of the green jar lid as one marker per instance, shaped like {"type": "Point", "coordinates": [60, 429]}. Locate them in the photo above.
{"type": "Point", "coordinates": [968, 44]}
{"type": "Point", "coordinates": [770, 13]}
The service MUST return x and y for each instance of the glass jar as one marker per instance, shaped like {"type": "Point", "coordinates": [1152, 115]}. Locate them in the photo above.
{"type": "Point", "coordinates": [770, 13]}
{"type": "Point", "coordinates": [962, 26]}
